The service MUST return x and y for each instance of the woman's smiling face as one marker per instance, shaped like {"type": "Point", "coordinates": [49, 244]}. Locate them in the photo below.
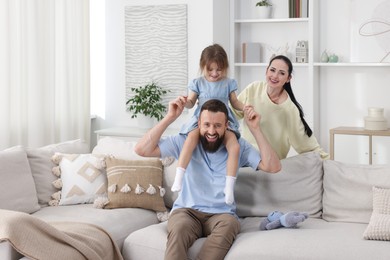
{"type": "Point", "coordinates": [277, 74]}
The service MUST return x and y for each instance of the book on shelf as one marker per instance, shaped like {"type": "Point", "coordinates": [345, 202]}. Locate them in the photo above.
{"type": "Point", "coordinates": [298, 8]}
{"type": "Point", "coordinates": [251, 52]}
{"type": "Point", "coordinates": [304, 8]}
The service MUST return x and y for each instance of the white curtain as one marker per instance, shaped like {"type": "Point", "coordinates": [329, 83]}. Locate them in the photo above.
{"type": "Point", "coordinates": [44, 72]}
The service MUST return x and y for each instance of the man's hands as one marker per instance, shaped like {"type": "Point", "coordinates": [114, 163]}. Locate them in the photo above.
{"type": "Point", "coordinates": [269, 159]}
{"type": "Point", "coordinates": [176, 107]}
{"type": "Point", "coordinates": [147, 146]}
{"type": "Point", "coordinates": [252, 118]}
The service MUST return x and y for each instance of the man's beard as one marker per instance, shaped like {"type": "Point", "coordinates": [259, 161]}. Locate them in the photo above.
{"type": "Point", "coordinates": [211, 147]}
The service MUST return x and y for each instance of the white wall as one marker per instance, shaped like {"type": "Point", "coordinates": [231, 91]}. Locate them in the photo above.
{"type": "Point", "coordinates": [204, 29]}
{"type": "Point", "coordinates": [347, 92]}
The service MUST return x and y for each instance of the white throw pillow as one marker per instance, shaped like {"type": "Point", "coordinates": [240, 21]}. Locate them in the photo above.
{"type": "Point", "coordinates": [379, 226]}
{"type": "Point", "coordinates": [41, 165]}
{"type": "Point", "coordinates": [83, 178]}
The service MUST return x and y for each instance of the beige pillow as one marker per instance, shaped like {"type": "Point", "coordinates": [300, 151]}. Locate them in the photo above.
{"type": "Point", "coordinates": [379, 226]}
{"type": "Point", "coordinates": [135, 184]}
{"type": "Point", "coordinates": [124, 150]}
{"type": "Point", "coordinates": [348, 190]}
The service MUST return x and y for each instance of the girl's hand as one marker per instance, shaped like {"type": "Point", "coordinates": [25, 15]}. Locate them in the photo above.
{"type": "Point", "coordinates": [250, 110]}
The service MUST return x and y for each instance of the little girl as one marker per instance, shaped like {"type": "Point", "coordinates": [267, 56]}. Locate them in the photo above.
{"type": "Point", "coordinates": [213, 84]}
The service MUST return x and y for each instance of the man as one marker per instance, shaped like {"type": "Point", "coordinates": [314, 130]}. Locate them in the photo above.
{"type": "Point", "coordinates": [200, 209]}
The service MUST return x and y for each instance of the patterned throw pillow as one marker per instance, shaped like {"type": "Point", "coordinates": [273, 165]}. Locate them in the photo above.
{"type": "Point", "coordinates": [135, 184]}
{"type": "Point", "coordinates": [379, 226]}
{"type": "Point", "coordinates": [41, 165]}
{"type": "Point", "coordinates": [82, 178]}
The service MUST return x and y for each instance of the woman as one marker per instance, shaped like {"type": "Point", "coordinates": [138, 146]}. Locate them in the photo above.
{"type": "Point", "coordinates": [282, 118]}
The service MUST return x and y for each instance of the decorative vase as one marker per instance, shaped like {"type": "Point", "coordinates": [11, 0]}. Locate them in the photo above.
{"type": "Point", "coordinates": [333, 58]}
{"type": "Point", "coordinates": [324, 57]}
{"type": "Point", "coordinates": [264, 12]}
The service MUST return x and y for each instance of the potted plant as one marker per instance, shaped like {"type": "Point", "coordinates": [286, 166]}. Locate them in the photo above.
{"type": "Point", "coordinates": [147, 101]}
{"type": "Point", "coordinates": [264, 9]}
{"type": "Point", "coordinates": [263, 3]}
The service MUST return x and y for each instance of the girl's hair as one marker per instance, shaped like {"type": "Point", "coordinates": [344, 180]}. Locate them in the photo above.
{"type": "Point", "coordinates": [214, 53]}
{"type": "Point", "coordinates": [287, 87]}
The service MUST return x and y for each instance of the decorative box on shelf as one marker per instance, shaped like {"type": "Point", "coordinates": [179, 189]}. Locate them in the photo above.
{"type": "Point", "coordinates": [375, 119]}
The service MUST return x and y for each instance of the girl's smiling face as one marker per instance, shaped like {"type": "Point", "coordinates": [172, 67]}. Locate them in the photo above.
{"type": "Point", "coordinates": [213, 73]}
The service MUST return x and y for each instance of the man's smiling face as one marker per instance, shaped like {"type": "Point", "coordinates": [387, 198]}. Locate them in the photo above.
{"type": "Point", "coordinates": [212, 127]}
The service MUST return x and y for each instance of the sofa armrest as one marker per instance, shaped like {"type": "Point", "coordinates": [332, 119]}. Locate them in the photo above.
{"type": "Point", "coordinates": [7, 252]}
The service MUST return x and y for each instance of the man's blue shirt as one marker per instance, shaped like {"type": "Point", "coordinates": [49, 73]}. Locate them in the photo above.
{"type": "Point", "coordinates": [205, 176]}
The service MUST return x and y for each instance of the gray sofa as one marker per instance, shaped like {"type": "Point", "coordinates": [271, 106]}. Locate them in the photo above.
{"type": "Point", "coordinates": [344, 222]}
{"type": "Point", "coordinates": [27, 187]}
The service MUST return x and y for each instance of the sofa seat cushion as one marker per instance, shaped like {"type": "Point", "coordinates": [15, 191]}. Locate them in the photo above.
{"type": "Point", "coordinates": [313, 239]}
{"type": "Point", "coordinates": [8, 252]}
{"type": "Point", "coordinates": [150, 242]}
{"type": "Point", "coordinates": [118, 222]}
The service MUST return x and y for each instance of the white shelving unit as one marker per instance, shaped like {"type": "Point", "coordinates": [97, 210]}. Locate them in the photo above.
{"type": "Point", "coordinates": [274, 33]}
{"type": "Point", "coordinates": [352, 64]}
{"type": "Point", "coordinates": [317, 85]}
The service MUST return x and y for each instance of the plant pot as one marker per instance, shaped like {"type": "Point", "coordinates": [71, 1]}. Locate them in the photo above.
{"type": "Point", "coordinates": [145, 122]}
{"type": "Point", "coordinates": [264, 12]}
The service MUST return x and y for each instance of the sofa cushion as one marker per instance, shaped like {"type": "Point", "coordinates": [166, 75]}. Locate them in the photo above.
{"type": "Point", "coordinates": [313, 239]}
{"type": "Point", "coordinates": [118, 222]}
{"type": "Point", "coordinates": [8, 252]}
{"type": "Point", "coordinates": [41, 165]}
{"type": "Point", "coordinates": [118, 148]}
{"type": "Point", "coordinates": [168, 179]}
{"type": "Point", "coordinates": [83, 178]}
{"type": "Point", "coordinates": [297, 187]}
{"type": "Point", "coordinates": [135, 183]}
{"type": "Point", "coordinates": [348, 190]}
{"type": "Point", "coordinates": [150, 243]}
{"type": "Point", "coordinates": [17, 184]}
{"type": "Point", "coordinates": [124, 150]}
{"type": "Point", "coordinates": [379, 226]}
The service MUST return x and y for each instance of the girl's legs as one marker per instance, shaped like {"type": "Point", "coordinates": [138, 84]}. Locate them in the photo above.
{"type": "Point", "coordinates": [233, 148]}
{"type": "Point", "coordinates": [184, 158]}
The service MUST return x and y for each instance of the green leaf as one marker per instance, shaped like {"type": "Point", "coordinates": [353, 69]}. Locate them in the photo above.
{"type": "Point", "coordinates": [147, 101]}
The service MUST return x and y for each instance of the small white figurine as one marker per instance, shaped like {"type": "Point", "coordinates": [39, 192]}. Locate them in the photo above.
{"type": "Point", "coordinates": [301, 52]}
